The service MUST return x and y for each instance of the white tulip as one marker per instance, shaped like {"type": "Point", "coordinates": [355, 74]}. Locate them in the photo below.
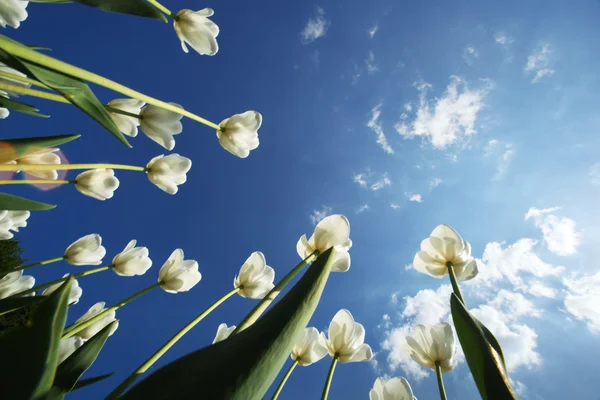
{"type": "Point", "coordinates": [391, 389]}
{"type": "Point", "coordinates": [430, 344]}
{"type": "Point", "coordinates": [5, 68]}
{"type": "Point", "coordinates": [126, 124]}
{"type": "Point", "coordinates": [67, 346]}
{"type": "Point", "coordinates": [167, 172]}
{"type": "Point", "coordinates": [239, 134]}
{"type": "Point", "coordinates": [223, 332]}
{"type": "Point", "coordinates": [308, 348]}
{"type": "Point", "coordinates": [97, 326]}
{"type": "Point", "coordinates": [195, 29]}
{"type": "Point", "coordinates": [13, 12]}
{"type": "Point", "coordinates": [445, 245]}
{"type": "Point", "coordinates": [331, 231]}
{"type": "Point", "coordinates": [161, 125]}
{"type": "Point", "coordinates": [256, 277]}
{"type": "Point", "coordinates": [6, 225]}
{"type": "Point", "coordinates": [178, 275]}
{"type": "Point", "coordinates": [346, 339]}
{"type": "Point", "coordinates": [74, 294]}
{"type": "Point", "coordinates": [132, 260]}
{"type": "Point", "coordinates": [15, 282]}
{"type": "Point", "coordinates": [97, 183]}
{"type": "Point", "coordinates": [87, 250]}
{"type": "Point", "coordinates": [18, 219]}
{"type": "Point", "coordinates": [42, 156]}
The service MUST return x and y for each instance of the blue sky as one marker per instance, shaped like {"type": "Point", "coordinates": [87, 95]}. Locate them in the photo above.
{"type": "Point", "coordinates": [399, 114]}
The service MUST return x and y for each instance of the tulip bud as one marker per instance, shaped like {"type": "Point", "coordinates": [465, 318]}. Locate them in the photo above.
{"type": "Point", "coordinates": [256, 277]}
{"type": "Point", "coordinates": [346, 339]}
{"type": "Point", "coordinates": [178, 275]}
{"type": "Point", "coordinates": [87, 250]}
{"type": "Point", "coordinates": [167, 172]}
{"type": "Point", "coordinates": [195, 29]}
{"type": "Point", "coordinates": [97, 183]}
{"type": "Point", "coordinates": [161, 125]}
{"type": "Point", "coordinates": [97, 326]}
{"type": "Point", "coordinates": [239, 134]}
{"type": "Point", "coordinates": [132, 260]}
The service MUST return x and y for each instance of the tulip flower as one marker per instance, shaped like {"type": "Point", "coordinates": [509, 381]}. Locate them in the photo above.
{"type": "Point", "coordinates": [132, 260]}
{"type": "Point", "coordinates": [97, 326]}
{"type": "Point", "coordinates": [346, 343]}
{"type": "Point", "coordinates": [18, 219]}
{"type": "Point", "coordinates": [256, 277]}
{"type": "Point", "coordinates": [67, 346]}
{"type": "Point", "coordinates": [5, 226]}
{"type": "Point", "coordinates": [87, 250]}
{"type": "Point", "coordinates": [195, 29]}
{"type": "Point", "coordinates": [178, 275]}
{"type": "Point", "coordinates": [391, 389]}
{"type": "Point", "coordinates": [167, 172]}
{"type": "Point", "coordinates": [97, 183]}
{"type": "Point", "coordinates": [223, 332]}
{"type": "Point", "coordinates": [39, 157]}
{"type": "Point", "coordinates": [129, 120]}
{"type": "Point", "coordinates": [13, 12]}
{"type": "Point", "coordinates": [331, 231]}
{"type": "Point", "coordinates": [74, 294]}
{"type": "Point", "coordinates": [161, 125]}
{"type": "Point", "coordinates": [14, 283]}
{"type": "Point", "coordinates": [239, 134]}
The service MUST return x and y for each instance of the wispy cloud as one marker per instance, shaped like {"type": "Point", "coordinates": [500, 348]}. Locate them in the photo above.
{"type": "Point", "coordinates": [470, 54]}
{"type": "Point", "coordinates": [414, 197]}
{"type": "Point", "coordinates": [361, 180]}
{"type": "Point", "coordinates": [362, 208]}
{"type": "Point", "coordinates": [502, 153]}
{"type": "Point", "coordinates": [538, 63]}
{"type": "Point", "coordinates": [444, 120]}
{"type": "Point", "coordinates": [560, 233]}
{"type": "Point", "coordinates": [435, 182]}
{"type": "Point", "coordinates": [370, 63]}
{"type": "Point", "coordinates": [366, 180]}
{"type": "Point", "coordinates": [316, 27]}
{"type": "Point", "coordinates": [582, 298]}
{"type": "Point", "coordinates": [375, 125]}
{"type": "Point", "coordinates": [594, 174]}
{"type": "Point", "coordinates": [381, 183]}
{"type": "Point", "coordinates": [503, 39]}
{"type": "Point", "coordinates": [317, 215]}
{"type": "Point", "coordinates": [373, 30]}
{"type": "Point", "coordinates": [394, 206]}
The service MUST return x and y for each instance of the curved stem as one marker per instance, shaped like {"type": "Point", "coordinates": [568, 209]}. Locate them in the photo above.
{"type": "Point", "coordinates": [60, 167]}
{"type": "Point", "coordinates": [329, 377]}
{"type": "Point", "coordinates": [284, 380]}
{"type": "Point", "coordinates": [23, 79]}
{"type": "Point", "coordinates": [163, 9]}
{"type": "Point", "coordinates": [54, 282]}
{"type": "Point", "coordinates": [454, 283]}
{"type": "Point", "coordinates": [268, 299]}
{"type": "Point", "coordinates": [160, 352]}
{"type": "Point", "coordinates": [20, 51]}
{"type": "Point", "coordinates": [75, 328]}
{"type": "Point", "coordinates": [37, 264]}
{"type": "Point", "coordinates": [438, 371]}
{"type": "Point", "coordinates": [13, 87]}
{"type": "Point", "coordinates": [34, 181]}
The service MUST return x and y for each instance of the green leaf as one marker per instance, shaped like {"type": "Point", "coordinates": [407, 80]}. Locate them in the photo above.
{"type": "Point", "coordinates": [51, 1]}
{"type": "Point", "coordinates": [483, 354]}
{"type": "Point", "coordinates": [12, 149]}
{"type": "Point", "coordinates": [14, 303]}
{"type": "Point", "coordinates": [16, 203]}
{"type": "Point", "coordinates": [30, 353]}
{"type": "Point", "coordinates": [139, 8]}
{"type": "Point", "coordinates": [243, 366]}
{"type": "Point", "coordinates": [90, 381]}
{"type": "Point", "coordinates": [71, 369]}
{"type": "Point", "coordinates": [20, 107]}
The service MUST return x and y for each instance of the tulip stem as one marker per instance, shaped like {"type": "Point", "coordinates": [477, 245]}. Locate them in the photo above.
{"type": "Point", "coordinates": [329, 377]}
{"type": "Point", "coordinates": [162, 8]}
{"type": "Point", "coordinates": [284, 380]}
{"type": "Point", "coordinates": [268, 299]}
{"type": "Point", "coordinates": [117, 111]}
{"type": "Point", "coordinates": [438, 371]}
{"type": "Point", "coordinates": [60, 167]}
{"type": "Point", "coordinates": [454, 282]}
{"type": "Point", "coordinates": [24, 79]}
{"type": "Point", "coordinates": [18, 50]}
{"type": "Point", "coordinates": [160, 352]}
{"type": "Point", "coordinates": [34, 181]}
{"type": "Point", "coordinates": [37, 264]}
{"type": "Point", "coordinates": [13, 87]}
{"type": "Point", "coordinates": [54, 282]}
{"type": "Point", "coordinates": [78, 327]}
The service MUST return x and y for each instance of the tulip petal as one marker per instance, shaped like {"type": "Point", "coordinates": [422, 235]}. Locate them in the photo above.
{"type": "Point", "coordinates": [341, 262]}
{"type": "Point", "coordinates": [363, 353]}
{"type": "Point", "coordinates": [331, 231]}
{"type": "Point", "coordinates": [302, 247]}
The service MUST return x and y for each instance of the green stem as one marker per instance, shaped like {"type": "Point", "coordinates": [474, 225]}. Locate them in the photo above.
{"type": "Point", "coordinates": [284, 380]}
{"type": "Point", "coordinates": [54, 282]}
{"type": "Point", "coordinates": [13, 87]}
{"type": "Point", "coordinates": [18, 50]}
{"type": "Point", "coordinates": [60, 167]}
{"type": "Point", "coordinates": [118, 111]}
{"type": "Point", "coordinates": [329, 377]}
{"type": "Point", "coordinates": [438, 371]}
{"type": "Point", "coordinates": [163, 9]}
{"type": "Point", "coordinates": [23, 79]}
{"type": "Point", "coordinates": [268, 299]}
{"type": "Point", "coordinates": [160, 352]}
{"type": "Point", "coordinates": [454, 282]}
{"type": "Point", "coordinates": [78, 327]}
{"type": "Point", "coordinates": [37, 264]}
{"type": "Point", "coordinates": [33, 181]}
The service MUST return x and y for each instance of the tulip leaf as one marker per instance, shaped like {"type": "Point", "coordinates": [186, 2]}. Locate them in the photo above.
{"type": "Point", "coordinates": [139, 8]}
{"type": "Point", "coordinates": [90, 381]}
{"type": "Point", "coordinates": [71, 369]}
{"type": "Point", "coordinates": [483, 354]}
{"type": "Point", "coordinates": [15, 303]}
{"type": "Point", "coordinates": [30, 353]}
{"type": "Point", "coordinates": [12, 149]}
{"type": "Point", "coordinates": [20, 107]}
{"type": "Point", "coordinates": [16, 203]}
{"type": "Point", "coordinates": [243, 366]}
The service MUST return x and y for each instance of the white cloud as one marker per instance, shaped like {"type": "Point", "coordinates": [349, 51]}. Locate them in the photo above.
{"type": "Point", "coordinates": [315, 28]}
{"type": "Point", "coordinates": [372, 66]}
{"type": "Point", "coordinates": [381, 183]}
{"type": "Point", "coordinates": [514, 304]}
{"type": "Point", "coordinates": [560, 233]}
{"type": "Point", "coordinates": [503, 39]}
{"type": "Point", "coordinates": [362, 208]}
{"type": "Point", "coordinates": [470, 54]}
{"type": "Point", "coordinates": [373, 30]}
{"type": "Point", "coordinates": [366, 180]}
{"type": "Point", "coordinates": [317, 215]}
{"type": "Point", "coordinates": [361, 180]}
{"type": "Point", "coordinates": [582, 299]}
{"type": "Point", "coordinates": [502, 153]}
{"type": "Point", "coordinates": [375, 125]}
{"type": "Point", "coordinates": [435, 182]}
{"type": "Point", "coordinates": [414, 197]}
{"type": "Point", "coordinates": [594, 174]}
{"type": "Point", "coordinates": [394, 206]}
{"type": "Point", "coordinates": [538, 63]}
{"type": "Point", "coordinates": [443, 121]}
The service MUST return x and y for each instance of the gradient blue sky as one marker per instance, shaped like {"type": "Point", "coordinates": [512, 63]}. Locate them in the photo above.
{"type": "Point", "coordinates": [399, 114]}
